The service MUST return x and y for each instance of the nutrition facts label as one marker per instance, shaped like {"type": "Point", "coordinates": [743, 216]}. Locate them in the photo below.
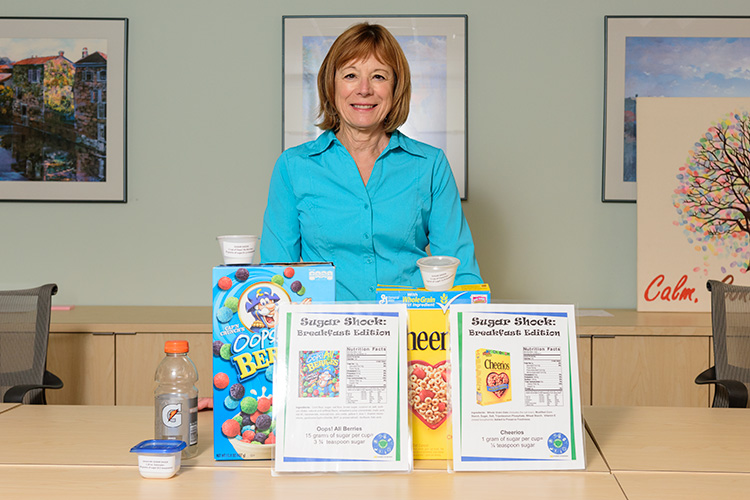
{"type": "Point", "coordinates": [542, 376]}
{"type": "Point", "coordinates": [366, 375]}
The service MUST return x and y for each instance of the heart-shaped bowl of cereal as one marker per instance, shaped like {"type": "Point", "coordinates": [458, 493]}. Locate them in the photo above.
{"type": "Point", "coordinates": [428, 392]}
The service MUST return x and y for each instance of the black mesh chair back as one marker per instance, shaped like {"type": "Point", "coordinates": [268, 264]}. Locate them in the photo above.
{"type": "Point", "coordinates": [24, 334]}
{"type": "Point", "coordinates": [730, 324]}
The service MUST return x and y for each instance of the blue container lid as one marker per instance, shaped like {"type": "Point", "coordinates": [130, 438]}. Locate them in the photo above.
{"type": "Point", "coordinates": [155, 446]}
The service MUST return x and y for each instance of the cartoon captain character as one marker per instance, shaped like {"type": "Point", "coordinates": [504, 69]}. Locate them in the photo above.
{"type": "Point", "coordinates": [263, 308]}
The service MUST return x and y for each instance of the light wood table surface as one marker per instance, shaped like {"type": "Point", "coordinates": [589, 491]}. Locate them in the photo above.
{"type": "Point", "coordinates": [83, 452]}
{"type": "Point", "coordinates": [684, 485]}
{"type": "Point", "coordinates": [647, 438]}
{"type": "Point", "coordinates": [208, 483]}
{"type": "Point", "coordinates": [103, 435]}
{"type": "Point", "coordinates": [7, 406]}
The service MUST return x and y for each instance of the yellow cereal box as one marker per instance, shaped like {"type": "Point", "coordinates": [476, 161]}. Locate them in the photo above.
{"type": "Point", "coordinates": [428, 361]}
{"type": "Point", "coordinates": [493, 377]}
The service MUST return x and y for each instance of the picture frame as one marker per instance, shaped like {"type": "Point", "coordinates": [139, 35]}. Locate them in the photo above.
{"type": "Point", "coordinates": [435, 46]}
{"type": "Point", "coordinates": [63, 86]}
{"type": "Point", "coordinates": [628, 76]}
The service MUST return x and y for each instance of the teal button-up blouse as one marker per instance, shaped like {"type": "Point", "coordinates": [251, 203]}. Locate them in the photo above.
{"type": "Point", "coordinates": [320, 210]}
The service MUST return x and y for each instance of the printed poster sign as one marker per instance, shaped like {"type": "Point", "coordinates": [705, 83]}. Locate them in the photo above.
{"type": "Point", "coordinates": [516, 390]}
{"type": "Point", "coordinates": [340, 388]}
{"type": "Point", "coordinates": [693, 199]}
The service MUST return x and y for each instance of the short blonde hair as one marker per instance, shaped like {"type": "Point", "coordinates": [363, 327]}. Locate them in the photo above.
{"type": "Point", "coordinates": [357, 43]}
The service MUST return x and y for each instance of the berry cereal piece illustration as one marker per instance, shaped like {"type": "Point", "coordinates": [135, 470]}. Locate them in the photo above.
{"type": "Point", "coordinates": [296, 286]}
{"type": "Point", "coordinates": [237, 391]}
{"type": "Point", "coordinates": [289, 272]}
{"type": "Point", "coordinates": [231, 403]}
{"type": "Point", "coordinates": [263, 422]}
{"type": "Point", "coordinates": [230, 428]}
{"type": "Point", "coordinates": [241, 274]}
{"type": "Point", "coordinates": [217, 347]}
{"type": "Point", "coordinates": [249, 404]}
{"type": "Point", "coordinates": [278, 279]}
{"type": "Point", "coordinates": [224, 314]}
{"type": "Point", "coordinates": [221, 380]}
{"type": "Point", "coordinates": [232, 303]}
{"type": "Point", "coordinates": [248, 436]}
{"type": "Point", "coordinates": [225, 352]}
{"type": "Point", "coordinates": [264, 404]}
{"type": "Point", "coordinates": [225, 283]}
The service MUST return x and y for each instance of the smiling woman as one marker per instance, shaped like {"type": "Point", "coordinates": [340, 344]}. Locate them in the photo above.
{"type": "Point", "coordinates": [363, 195]}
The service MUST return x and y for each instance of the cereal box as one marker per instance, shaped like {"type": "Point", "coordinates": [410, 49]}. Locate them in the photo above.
{"type": "Point", "coordinates": [428, 361]}
{"type": "Point", "coordinates": [244, 349]}
{"type": "Point", "coordinates": [319, 374]}
{"type": "Point", "coordinates": [493, 377]}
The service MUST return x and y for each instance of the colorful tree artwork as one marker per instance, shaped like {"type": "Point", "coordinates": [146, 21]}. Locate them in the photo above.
{"type": "Point", "coordinates": [712, 198]}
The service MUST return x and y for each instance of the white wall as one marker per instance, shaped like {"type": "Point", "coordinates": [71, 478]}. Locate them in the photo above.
{"type": "Point", "coordinates": [204, 129]}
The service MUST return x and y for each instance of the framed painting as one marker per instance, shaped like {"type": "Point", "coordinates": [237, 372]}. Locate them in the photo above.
{"type": "Point", "coordinates": [647, 57]}
{"type": "Point", "coordinates": [435, 47]}
{"type": "Point", "coordinates": [63, 109]}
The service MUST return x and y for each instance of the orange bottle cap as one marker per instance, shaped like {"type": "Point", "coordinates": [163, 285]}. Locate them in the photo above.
{"type": "Point", "coordinates": [176, 346]}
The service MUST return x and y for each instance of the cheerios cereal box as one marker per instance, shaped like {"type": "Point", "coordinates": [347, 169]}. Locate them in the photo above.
{"type": "Point", "coordinates": [244, 348]}
{"type": "Point", "coordinates": [428, 361]}
{"type": "Point", "coordinates": [493, 377]}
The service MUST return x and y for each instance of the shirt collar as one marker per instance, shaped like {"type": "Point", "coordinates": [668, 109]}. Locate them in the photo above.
{"type": "Point", "coordinates": [397, 141]}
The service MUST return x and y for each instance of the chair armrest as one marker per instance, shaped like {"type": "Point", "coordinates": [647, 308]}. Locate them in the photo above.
{"type": "Point", "coordinates": [736, 390]}
{"type": "Point", "coordinates": [16, 393]}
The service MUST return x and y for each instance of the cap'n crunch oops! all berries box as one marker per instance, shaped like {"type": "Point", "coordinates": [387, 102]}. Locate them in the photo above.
{"type": "Point", "coordinates": [429, 361]}
{"type": "Point", "coordinates": [244, 348]}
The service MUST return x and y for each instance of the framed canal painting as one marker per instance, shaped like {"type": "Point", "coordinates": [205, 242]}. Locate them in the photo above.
{"type": "Point", "coordinates": [63, 109]}
{"type": "Point", "coordinates": [434, 45]}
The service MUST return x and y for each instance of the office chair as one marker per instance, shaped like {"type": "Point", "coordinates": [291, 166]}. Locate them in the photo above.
{"type": "Point", "coordinates": [24, 333]}
{"type": "Point", "coordinates": [730, 323]}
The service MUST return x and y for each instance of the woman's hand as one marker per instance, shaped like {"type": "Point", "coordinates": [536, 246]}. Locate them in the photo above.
{"type": "Point", "coordinates": [205, 404]}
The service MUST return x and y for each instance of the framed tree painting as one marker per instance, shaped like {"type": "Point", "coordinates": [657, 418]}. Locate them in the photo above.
{"type": "Point", "coordinates": [62, 109]}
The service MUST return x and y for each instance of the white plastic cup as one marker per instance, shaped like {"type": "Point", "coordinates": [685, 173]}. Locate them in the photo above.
{"type": "Point", "coordinates": [438, 272]}
{"type": "Point", "coordinates": [238, 248]}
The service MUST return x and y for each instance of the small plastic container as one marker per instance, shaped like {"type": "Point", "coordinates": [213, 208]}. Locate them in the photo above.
{"type": "Point", "coordinates": [438, 272]}
{"type": "Point", "coordinates": [159, 458]}
{"type": "Point", "coordinates": [238, 248]}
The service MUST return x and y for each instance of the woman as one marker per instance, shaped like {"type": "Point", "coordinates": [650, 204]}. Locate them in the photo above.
{"type": "Point", "coordinates": [363, 195]}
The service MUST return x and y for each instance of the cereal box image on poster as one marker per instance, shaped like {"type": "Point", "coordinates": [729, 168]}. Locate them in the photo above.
{"type": "Point", "coordinates": [244, 348]}
{"type": "Point", "coordinates": [493, 377]}
{"type": "Point", "coordinates": [319, 374]}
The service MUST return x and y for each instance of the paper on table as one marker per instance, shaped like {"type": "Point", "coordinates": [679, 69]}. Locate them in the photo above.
{"type": "Point", "coordinates": [340, 395]}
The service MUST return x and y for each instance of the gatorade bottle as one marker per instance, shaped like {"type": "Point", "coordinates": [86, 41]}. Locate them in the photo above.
{"type": "Point", "coordinates": [176, 397]}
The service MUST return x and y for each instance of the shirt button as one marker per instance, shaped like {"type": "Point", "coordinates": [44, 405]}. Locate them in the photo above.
{"type": "Point", "coordinates": [372, 288]}
{"type": "Point", "coordinates": [366, 236]}
{"type": "Point", "coordinates": [367, 207]}
{"type": "Point", "coordinates": [368, 260]}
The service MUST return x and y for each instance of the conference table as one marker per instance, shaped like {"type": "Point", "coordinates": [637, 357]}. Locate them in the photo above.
{"type": "Point", "coordinates": [636, 453]}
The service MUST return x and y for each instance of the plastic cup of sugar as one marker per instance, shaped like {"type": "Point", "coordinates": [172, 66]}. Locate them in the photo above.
{"type": "Point", "coordinates": [438, 272]}
{"type": "Point", "coordinates": [238, 248]}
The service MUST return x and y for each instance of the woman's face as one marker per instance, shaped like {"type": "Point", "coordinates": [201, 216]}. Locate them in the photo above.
{"type": "Point", "coordinates": [364, 94]}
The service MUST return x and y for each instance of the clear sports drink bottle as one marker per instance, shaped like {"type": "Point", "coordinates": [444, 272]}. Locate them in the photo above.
{"type": "Point", "coordinates": [176, 397]}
